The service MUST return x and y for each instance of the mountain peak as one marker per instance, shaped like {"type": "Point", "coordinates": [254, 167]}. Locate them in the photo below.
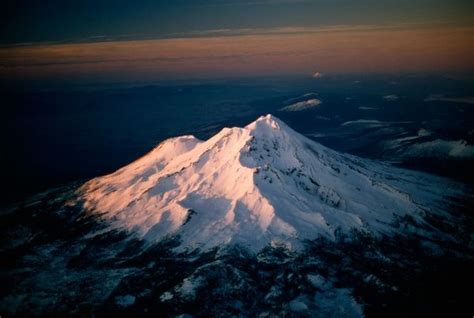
{"type": "Point", "coordinates": [265, 122]}
{"type": "Point", "coordinates": [254, 186]}
{"type": "Point", "coordinates": [268, 119]}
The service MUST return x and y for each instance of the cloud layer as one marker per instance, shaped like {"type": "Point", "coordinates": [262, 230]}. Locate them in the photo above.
{"type": "Point", "coordinates": [303, 105]}
{"type": "Point", "coordinates": [338, 49]}
{"type": "Point", "coordinates": [442, 98]}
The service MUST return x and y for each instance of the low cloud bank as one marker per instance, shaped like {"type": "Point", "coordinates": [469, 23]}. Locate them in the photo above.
{"type": "Point", "coordinates": [304, 105]}
{"type": "Point", "coordinates": [391, 98]}
{"type": "Point", "coordinates": [442, 98]}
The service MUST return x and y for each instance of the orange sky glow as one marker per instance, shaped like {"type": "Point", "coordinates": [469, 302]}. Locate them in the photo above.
{"type": "Point", "coordinates": [345, 49]}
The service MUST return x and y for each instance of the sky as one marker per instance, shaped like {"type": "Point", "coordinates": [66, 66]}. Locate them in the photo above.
{"type": "Point", "coordinates": [112, 40]}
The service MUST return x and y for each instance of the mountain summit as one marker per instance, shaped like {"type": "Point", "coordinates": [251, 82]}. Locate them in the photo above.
{"type": "Point", "coordinates": [258, 185]}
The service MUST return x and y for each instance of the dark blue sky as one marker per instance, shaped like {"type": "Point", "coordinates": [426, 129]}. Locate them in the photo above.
{"type": "Point", "coordinates": [56, 20]}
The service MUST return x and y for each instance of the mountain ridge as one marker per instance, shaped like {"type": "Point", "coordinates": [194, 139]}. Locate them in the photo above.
{"type": "Point", "coordinates": [257, 185]}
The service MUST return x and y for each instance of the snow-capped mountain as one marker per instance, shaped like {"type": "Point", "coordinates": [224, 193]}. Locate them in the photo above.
{"type": "Point", "coordinates": [140, 241]}
{"type": "Point", "coordinates": [257, 185]}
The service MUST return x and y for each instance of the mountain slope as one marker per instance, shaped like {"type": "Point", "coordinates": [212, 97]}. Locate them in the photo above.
{"type": "Point", "coordinates": [258, 185]}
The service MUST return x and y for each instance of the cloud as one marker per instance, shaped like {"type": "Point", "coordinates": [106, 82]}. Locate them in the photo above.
{"type": "Point", "coordinates": [391, 98]}
{"type": "Point", "coordinates": [417, 146]}
{"type": "Point", "coordinates": [304, 105]}
{"type": "Point", "coordinates": [441, 148]}
{"type": "Point", "coordinates": [365, 122]}
{"type": "Point", "coordinates": [372, 123]}
{"type": "Point", "coordinates": [442, 98]}
{"type": "Point", "coordinates": [323, 118]}
{"type": "Point", "coordinates": [367, 108]}
{"type": "Point", "coordinates": [401, 142]}
{"type": "Point", "coordinates": [424, 132]}
{"type": "Point", "coordinates": [306, 96]}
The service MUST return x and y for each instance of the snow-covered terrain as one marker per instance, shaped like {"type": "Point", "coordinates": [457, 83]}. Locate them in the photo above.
{"type": "Point", "coordinates": [263, 184]}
